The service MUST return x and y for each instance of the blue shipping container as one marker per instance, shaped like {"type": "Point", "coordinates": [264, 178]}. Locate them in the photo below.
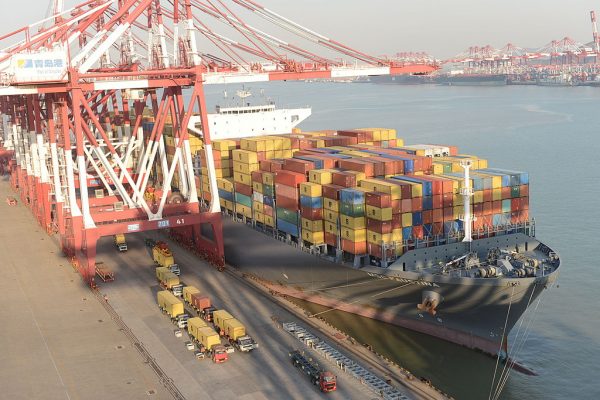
{"type": "Point", "coordinates": [287, 227]}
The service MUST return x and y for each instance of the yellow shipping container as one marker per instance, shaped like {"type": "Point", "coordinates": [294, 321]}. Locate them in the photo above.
{"type": "Point", "coordinates": [239, 177]}
{"type": "Point", "coordinates": [496, 194]}
{"type": "Point", "coordinates": [478, 196]}
{"type": "Point", "coordinates": [269, 221]}
{"type": "Point", "coordinates": [331, 227]}
{"type": "Point", "coordinates": [193, 324]}
{"type": "Point", "coordinates": [331, 216]}
{"type": "Point", "coordinates": [407, 220]}
{"type": "Point", "coordinates": [397, 235]}
{"type": "Point", "coordinates": [248, 157]}
{"type": "Point", "coordinates": [377, 238]}
{"type": "Point", "coordinates": [245, 168]}
{"type": "Point", "coordinates": [259, 217]}
{"type": "Point", "coordinates": [244, 210]}
{"type": "Point", "coordinates": [380, 214]}
{"type": "Point", "coordinates": [188, 291]}
{"type": "Point", "coordinates": [377, 185]}
{"type": "Point", "coordinates": [354, 235]}
{"type": "Point", "coordinates": [312, 225]}
{"type": "Point", "coordinates": [268, 178]}
{"type": "Point", "coordinates": [288, 153]}
{"type": "Point", "coordinates": [278, 153]}
{"type": "Point", "coordinates": [218, 172]}
{"type": "Point", "coordinates": [234, 329]}
{"type": "Point", "coordinates": [227, 204]}
{"type": "Point", "coordinates": [320, 176]}
{"type": "Point", "coordinates": [219, 318]}
{"type": "Point", "coordinates": [353, 222]}
{"type": "Point", "coordinates": [437, 168]}
{"type": "Point", "coordinates": [458, 200]}
{"type": "Point", "coordinates": [332, 205]}
{"type": "Point", "coordinates": [257, 206]}
{"type": "Point", "coordinates": [224, 145]}
{"type": "Point", "coordinates": [277, 143]}
{"type": "Point", "coordinates": [208, 337]}
{"type": "Point", "coordinates": [311, 189]}
{"type": "Point", "coordinates": [458, 211]}
{"type": "Point", "coordinates": [257, 187]}
{"type": "Point", "coordinates": [313, 237]}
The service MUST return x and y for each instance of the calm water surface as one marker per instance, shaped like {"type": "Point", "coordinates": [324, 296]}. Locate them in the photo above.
{"type": "Point", "coordinates": [554, 134]}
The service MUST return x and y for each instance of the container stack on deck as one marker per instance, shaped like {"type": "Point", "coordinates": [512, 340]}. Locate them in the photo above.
{"type": "Point", "coordinates": [363, 191]}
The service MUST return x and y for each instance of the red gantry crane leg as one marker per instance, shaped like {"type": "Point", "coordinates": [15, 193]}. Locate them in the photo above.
{"type": "Point", "coordinates": [97, 127]}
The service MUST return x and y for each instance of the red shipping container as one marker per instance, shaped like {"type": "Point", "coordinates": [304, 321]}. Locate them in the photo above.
{"type": "Point", "coordinates": [379, 226]}
{"type": "Point", "coordinates": [488, 195]}
{"type": "Point", "coordinates": [285, 202]}
{"type": "Point", "coordinates": [524, 203]}
{"type": "Point", "coordinates": [478, 208]}
{"type": "Point", "coordinates": [406, 205]}
{"type": "Point", "coordinates": [438, 228]}
{"type": "Point", "coordinates": [377, 251]}
{"type": "Point", "coordinates": [199, 301]}
{"type": "Point", "coordinates": [344, 179]}
{"type": "Point", "coordinates": [331, 239]}
{"type": "Point", "coordinates": [385, 166]}
{"type": "Point", "coordinates": [314, 214]}
{"type": "Point", "coordinates": [289, 178]}
{"type": "Point", "coordinates": [427, 217]}
{"type": "Point", "coordinates": [378, 199]}
{"type": "Point", "coordinates": [448, 214]}
{"type": "Point", "coordinates": [438, 201]}
{"type": "Point", "coordinates": [447, 200]}
{"type": "Point", "coordinates": [436, 183]}
{"type": "Point", "coordinates": [287, 191]}
{"type": "Point", "coordinates": [272, 165]}
{"type": "Point", "coordinates": [506, 193]}
{"type": "Point", "coordinates": [417, 204]}
{"type": "Point", "coordinates": [396, 206]}
{"type": "Point", "coordinates": [268, 210]}
{"type": "Point", "coordinates": [487, 208]}
{"type": "Point", "coordinates": [361, 136]}
{"type": "Point", "coordinates": [417, 232]}
{"type": "Point", "coordinates": [354, 247]}
{"type": "Point", "coordinates": [257, 176]}
{"type": "Point", "coordinates": [497, 207]}
{"type": "Point", "coordinates": [356, 164]}
{"type": "Point", "coordinates": [396, 221]}
{"type": "Point", "coordinates": [515, 204]}
{"type": "Point", "coordinates": [243, 189]}
{"type": "Point", "coordinates": [332, 191]}
{"type": "Point", "coordinates": [479, 223]}
{"type": "Point", "coordinates": [297, 165]}
{"type": "Point", "coordinates": [437, 215]}
{"type": "Point", "coordinates": [524, 190]}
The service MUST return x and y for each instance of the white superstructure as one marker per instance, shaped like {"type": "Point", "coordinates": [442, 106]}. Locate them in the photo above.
{"type": "Point", "coordinates": [235, 122]}
{"type": "Point", "coordinates": [250, 120]}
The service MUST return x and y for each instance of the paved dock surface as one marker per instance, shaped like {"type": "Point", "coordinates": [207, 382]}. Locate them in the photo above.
{"type": "Point", "coordinates": [265, 373]}
{"type": "Point", "coordinates": [56, 339]}
{"type": "Point", "coordinates": [59, 341]}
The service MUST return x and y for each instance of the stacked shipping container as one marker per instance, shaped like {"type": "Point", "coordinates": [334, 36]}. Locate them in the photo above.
{"type": "Point", "coordinates": [362, 191]}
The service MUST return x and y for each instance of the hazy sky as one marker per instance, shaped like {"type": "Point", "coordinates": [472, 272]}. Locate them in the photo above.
{"type": "Point", "coordinates": [442, 27]}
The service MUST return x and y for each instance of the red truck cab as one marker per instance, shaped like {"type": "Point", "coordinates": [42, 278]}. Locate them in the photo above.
{"type": "Point", "coordinates": [219, 354]}
{"type": "Point", "coordinates": [327, 382]}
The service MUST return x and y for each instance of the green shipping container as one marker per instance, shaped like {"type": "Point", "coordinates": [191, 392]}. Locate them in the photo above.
{"type": "Point", "coordinates": [288, 215]}
{"type": "Point", "coordinates": [352, 210]}
{"type": "Point", "coordinates": [515, 191]}
{"type": "Point", "coordinates": [268, 190]}
{"type": "Point", "coordinates": [243, 200]}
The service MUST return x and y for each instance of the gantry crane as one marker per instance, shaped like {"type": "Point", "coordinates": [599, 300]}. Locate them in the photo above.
{"type": "Point", "coordinates": [76, 87]}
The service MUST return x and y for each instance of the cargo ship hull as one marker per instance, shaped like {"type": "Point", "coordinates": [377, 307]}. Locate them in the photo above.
{"type": "Point", "coordinates": [472, 80]}
{"type": "Point", "coordinates": [475, 313]}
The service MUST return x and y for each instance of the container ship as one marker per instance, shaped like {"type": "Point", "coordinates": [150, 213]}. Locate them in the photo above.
{"type": "Point", "coordinates": [419, 236]}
